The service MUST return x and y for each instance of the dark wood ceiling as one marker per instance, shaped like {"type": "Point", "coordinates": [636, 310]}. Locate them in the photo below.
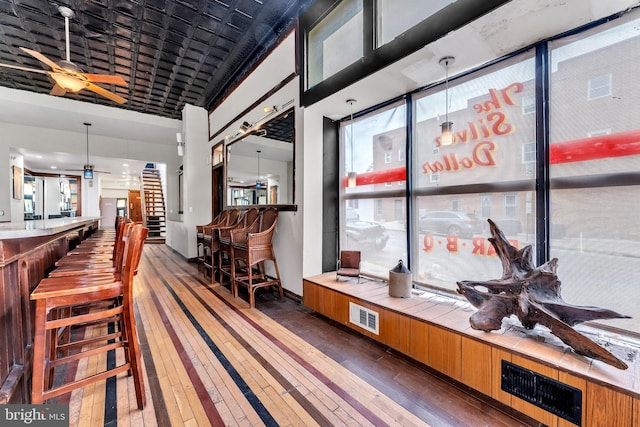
{"type": "Point", "coordinates": [169, 52]}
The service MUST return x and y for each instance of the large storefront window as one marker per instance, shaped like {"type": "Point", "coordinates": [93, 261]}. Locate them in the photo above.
{"type": "Point", "coordinates": [374, 210]}
{"type": "Point", "coordinates": [594, 163]}
{"type": "Point", "coordinates": [581, 204]}
{"type": "Point", "coordinates": [492, 130]}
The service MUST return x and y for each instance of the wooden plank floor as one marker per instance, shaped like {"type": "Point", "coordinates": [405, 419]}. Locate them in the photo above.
{"type": "Point", "coordinates": [210, 360]}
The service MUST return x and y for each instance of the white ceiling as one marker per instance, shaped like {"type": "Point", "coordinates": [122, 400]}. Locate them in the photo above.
{"type": "Point", "coordinates": [515, 25]}
{"type": "Point", "coordinates": [29, 109]}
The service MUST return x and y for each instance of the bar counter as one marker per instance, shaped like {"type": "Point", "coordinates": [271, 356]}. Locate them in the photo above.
{"type": "Point", "coordinates": [28, 251]}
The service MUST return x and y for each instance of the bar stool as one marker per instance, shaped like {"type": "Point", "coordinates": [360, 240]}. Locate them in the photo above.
{"type": "Point", "coordinates": [201, 255]}
{"type": "Point", "coordinates": [249, 221]}
{"type": "Point", "coordinates": [82, 265]}
{"type": "Point", "coordinates": [251, 250]}
{"type": "Point", "coordinates": [212, 245]}
{"type": "Point", "coordinates": [57, 301]}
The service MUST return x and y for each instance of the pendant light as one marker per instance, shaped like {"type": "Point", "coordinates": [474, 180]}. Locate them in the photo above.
{"type": "Point", "coordinates": [258, 182]}
{"type": "Point", "coordinates": [88, 168]}
{"type": "Point", "coordinates": [446, 138]}
{"type": "Point", "coordinates": [351, 176]}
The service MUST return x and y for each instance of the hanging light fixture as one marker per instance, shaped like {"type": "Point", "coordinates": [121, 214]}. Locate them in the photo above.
{"type": "Point", "coordinates": [258, 182]}
{"type": "Point", "coordinates": [446, 138]}
{"type": "Point", "coordinates": [351, 175]}
{"type": "Point", "coordinates": [88, 168]}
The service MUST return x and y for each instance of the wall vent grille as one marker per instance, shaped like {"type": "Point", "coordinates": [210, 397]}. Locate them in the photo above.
{"type": "Point", "coordinates": [553, 396]}
{"type": "Point", "coordinates": [363, 317]}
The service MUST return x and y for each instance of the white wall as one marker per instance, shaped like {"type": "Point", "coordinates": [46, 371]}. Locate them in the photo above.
{"type": "Point", "coordinates": [181, 230]}
{"type": "Point", "coordinates": [16, 209]}
{"type": "Point", "coordinates": [52, 196]}
{"type": "Point", "coordinates": [112, 192]}
{"type": "Point", "coordinates": [91, 193]}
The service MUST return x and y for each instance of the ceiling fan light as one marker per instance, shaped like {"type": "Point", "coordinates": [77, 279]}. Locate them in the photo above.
{"type": "Point", "coordinates": [68, 83]}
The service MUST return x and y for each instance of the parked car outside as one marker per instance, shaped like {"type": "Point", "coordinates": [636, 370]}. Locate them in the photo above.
{"type": "Point", "coordinates": [451, 223]}
{"type": "Point", "coordinates": [364, 234]}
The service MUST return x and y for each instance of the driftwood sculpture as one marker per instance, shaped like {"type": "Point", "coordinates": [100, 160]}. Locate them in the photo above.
{"type": "Point", "coordinates": [533, 295]}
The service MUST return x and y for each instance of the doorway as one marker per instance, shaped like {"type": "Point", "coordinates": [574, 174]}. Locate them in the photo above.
{"type": "Point", "coordinates": [135, 206]}
{"type": "Point", "coordinates": [108, 212]}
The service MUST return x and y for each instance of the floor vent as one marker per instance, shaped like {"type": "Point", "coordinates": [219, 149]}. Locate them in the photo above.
{"type": "Point", "coordinates": [553, 396]}
{"type": "Point", "coordinates": [363, 317]}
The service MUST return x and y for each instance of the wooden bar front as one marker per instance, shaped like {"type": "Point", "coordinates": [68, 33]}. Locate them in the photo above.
{"type": "Point", "coordinates": [27, 252]}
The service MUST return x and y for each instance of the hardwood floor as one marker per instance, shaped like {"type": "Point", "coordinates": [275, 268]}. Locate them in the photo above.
{"type": "Point", "coordinates": [210, 360]}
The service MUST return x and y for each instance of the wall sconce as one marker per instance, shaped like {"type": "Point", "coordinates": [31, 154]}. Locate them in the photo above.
{"type": "Point", "coordinates": [180, 144]}
{"type": "Point", "coordinates": [446, 137]}
{"type": "Point", "coordinates": [351, 175]}
{"type": "Point", "coordinates": [245, 127]}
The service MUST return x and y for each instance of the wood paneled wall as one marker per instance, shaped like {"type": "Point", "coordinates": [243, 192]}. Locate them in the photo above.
{"type": "Point", "coordinates": [477, 363]}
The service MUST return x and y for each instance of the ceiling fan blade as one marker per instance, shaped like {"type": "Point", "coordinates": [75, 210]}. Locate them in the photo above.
{"type": "Point", "coordinates": [57, 90]}
{"type": "Point", "coordinates": [105, 78]}
{"type": "Point", "coordinates": [110, 95]}
{"type": "Point", "coordinates": [17, 67]}
{"type": "Point", "coordinates": [40, 57]}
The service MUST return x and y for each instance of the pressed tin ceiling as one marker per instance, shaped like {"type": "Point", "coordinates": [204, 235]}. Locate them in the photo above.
{"type": "Point", "coordinates": [169, 52]}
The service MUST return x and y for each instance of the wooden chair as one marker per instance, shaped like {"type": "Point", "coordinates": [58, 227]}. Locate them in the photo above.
{"type": "Point", "coordinates": [247, 222]}
{"type": "Point", "coordinates": [54, 296]}
{"type": "Point", "coordinates": [348, 265]}
{"type": "Point", "coordinates": [251, 250]}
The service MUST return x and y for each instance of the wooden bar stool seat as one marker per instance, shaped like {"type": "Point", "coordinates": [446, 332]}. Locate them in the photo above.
{"type": "Point", "coordinates": [57, 303]}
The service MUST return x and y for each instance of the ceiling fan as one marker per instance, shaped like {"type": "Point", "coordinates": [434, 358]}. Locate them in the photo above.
{"type": "Point", "coordinates": [88, 169]}
{"type": "Point", "coordinates": [66, 75]}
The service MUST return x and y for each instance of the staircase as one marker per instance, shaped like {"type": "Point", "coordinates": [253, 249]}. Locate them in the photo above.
{"type": "Point", "coordinates": [153, 208]}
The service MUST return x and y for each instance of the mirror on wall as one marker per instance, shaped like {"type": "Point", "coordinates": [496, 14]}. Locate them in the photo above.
{"type": "Point", "coordinates": [260, 166]}
{"type": "Point", "coordinates": [49, 196]}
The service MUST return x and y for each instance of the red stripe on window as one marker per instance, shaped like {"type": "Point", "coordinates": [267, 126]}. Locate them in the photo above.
{"type": "Point", "coordinates": [596, 147]}
{"type": "Point", "coordinates": [379, 177]}
{"type": "Point", "coordinates": [578, 150]}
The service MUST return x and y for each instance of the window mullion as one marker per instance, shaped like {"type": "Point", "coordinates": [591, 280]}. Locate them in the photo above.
{"type": "Point", "coordinates": [542, 141]}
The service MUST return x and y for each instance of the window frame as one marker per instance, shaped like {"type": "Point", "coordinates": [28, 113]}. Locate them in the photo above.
{"type": "Point", "coordinates": [608, 86]}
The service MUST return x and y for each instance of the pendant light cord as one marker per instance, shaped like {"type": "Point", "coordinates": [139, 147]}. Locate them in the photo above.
{"type": "Point", "coordinates": [446, 91]}
{"type": "Point", "coordinates": [258, 181]}
{"type": "Point", "coordinates": [351, 101]}
{"type": "Point", "coordinates": [87, 126]}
